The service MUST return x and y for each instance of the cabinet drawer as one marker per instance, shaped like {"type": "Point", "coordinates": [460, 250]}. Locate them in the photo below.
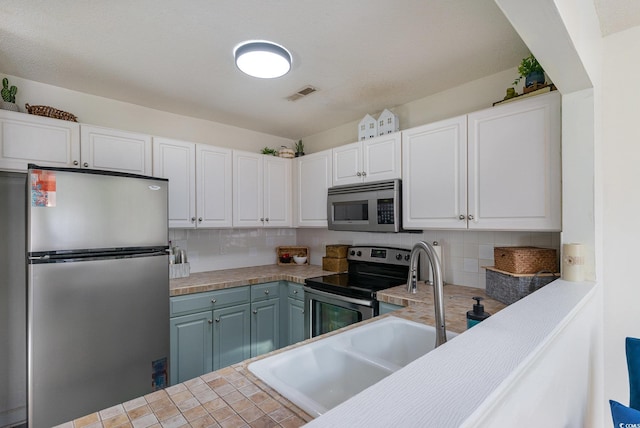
{"type": "Point", "coordinates": [295, 291]}
{"type": "Point", "coordinates": [209, 300]}
{"type": "Point", "coordinates": [264, 291]}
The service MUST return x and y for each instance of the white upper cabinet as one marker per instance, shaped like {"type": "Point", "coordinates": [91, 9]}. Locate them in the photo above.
{"type": "Point", "coordinates": [114, 150]}
{"type": "Point", "coordinates": [374, 159]}
{"type": "Point", "coordinates": [434, 164]}
{"type": "Point", "coordinates": [514, 168]}
{"type": "Point", "coordinates": [199, 182]}
{"type": "Point", "coordinates": [26, 138]}
{"type": "Point", "coordinates": [497, 169]}
{"type": "Point", "coordinates": [261, 190]}
{"type": "Point", "coordinates": [312, 179]}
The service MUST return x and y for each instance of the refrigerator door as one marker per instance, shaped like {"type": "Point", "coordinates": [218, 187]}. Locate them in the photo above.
{"type": "Point", "coordinates": [98, 335]}
{"type": "Point", "coordinates": [75, 210]}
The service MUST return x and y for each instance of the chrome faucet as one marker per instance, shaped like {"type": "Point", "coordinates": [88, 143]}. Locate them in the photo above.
{"type": "Point", "coordinates": [438, 292]}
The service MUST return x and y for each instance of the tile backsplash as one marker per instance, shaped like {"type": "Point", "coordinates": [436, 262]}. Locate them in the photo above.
{"type": "Point", "coordinates": [464, 252]}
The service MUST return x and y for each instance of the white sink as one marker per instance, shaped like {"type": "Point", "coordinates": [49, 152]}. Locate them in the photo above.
{"type": "Point", "coordinates": [322, 374]}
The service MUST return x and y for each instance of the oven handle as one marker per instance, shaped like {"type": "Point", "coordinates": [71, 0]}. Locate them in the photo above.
{"type": "Point", "coordinates": [368, 303]}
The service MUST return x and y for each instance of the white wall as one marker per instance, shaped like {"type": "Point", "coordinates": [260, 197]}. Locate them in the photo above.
{"type": "Point", "coordinates": [110, 113]}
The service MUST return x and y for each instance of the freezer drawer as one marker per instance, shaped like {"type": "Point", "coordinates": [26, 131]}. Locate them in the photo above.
{"type": "Point", "coordinates": [95, 330]}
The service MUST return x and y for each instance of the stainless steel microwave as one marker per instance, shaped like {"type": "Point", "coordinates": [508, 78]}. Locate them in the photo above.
{"type": "Point", "coordinates": [367, 207]}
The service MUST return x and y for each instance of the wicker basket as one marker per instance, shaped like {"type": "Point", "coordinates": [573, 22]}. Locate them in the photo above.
{"type": "Point", "coordinates": [50, 112]}
{"type": "Point", "coordinates": [292, 251]}
{"type": "Point", "coordinates": [525, 259]}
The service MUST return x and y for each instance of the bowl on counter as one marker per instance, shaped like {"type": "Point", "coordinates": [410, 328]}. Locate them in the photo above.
{"type": "Point", "coordinates": [285, 259]}
{"type": "Point", "coordinates": [300, 259]}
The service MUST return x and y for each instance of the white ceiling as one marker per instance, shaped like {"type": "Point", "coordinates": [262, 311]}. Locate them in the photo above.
{"type": "Point", "coordinates": [176, 56]}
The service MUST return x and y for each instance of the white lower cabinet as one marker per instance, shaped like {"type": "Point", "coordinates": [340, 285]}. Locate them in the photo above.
{"type": "Point", "coordinates": [312, 179]}
{"type": "Point", "coordinates": [498, 168]}
{"type": "Point", "coordinates": [261, 190]}
{"type": "Point", "coordinates": [199, 182]}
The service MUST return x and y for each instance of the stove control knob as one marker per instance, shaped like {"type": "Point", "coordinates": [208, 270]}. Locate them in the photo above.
{"type": "Point", "coordinates": [398, 256]}
{"type": "Point", "coordinates": [407, 257]}
{"type": "Point", "coordinates": [359, 253]}
{"type": "Point", "coordinates": [353, 253]}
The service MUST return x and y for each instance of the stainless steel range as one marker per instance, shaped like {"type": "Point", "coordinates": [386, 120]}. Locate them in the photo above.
{"type": "Point", "coordinates": [337, 300]}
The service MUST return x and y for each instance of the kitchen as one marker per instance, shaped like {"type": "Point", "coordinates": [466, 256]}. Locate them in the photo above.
{"type": "Point", "coordinates": [486, 91]}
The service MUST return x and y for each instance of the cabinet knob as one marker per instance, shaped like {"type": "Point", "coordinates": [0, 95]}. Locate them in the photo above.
{"type": "Point", "coordinates": [199, 219]}
{"type": "Point", "coordinates": [262, 219]}
{"type": "Point", "coordinates": [266, 291]}
{"type": "Point", "coordinates": [75, 162]}
{"type": "Point", "coordinates": [359, 174]}
{"type": "Point", "coordinates": [193, 219]}
{"type": "Point", "coordinates": [255, 311]}
{"type": "Point", "coordinates": [266, 219]}
{"type": "Point", "coordinates": [210, 321]}
{"type": "Point", "coordinates": [86, 164]}
{"type": "Point", "coordinates": [213, 300]}
{"type": "Point", "coordinates": [461, 217]}
{"type": "Point", "coordinates": [470, 217]}
{"type": "Point", "coordinates": [217, 319]}
{"type": "Point", "coordinates": [364, 174]}
{"type": "Point", "coordinates": [295, 291]}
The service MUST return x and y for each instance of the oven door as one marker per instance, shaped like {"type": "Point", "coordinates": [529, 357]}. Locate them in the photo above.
{"type": "Point", "coordinates": [325, 312]}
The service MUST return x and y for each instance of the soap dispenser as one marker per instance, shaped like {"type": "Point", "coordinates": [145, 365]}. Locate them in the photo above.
{"type": "Point", "coordinates": [477, 314]}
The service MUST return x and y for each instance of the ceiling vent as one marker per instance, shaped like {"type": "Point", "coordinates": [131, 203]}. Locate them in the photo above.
{"type": "Point", "coordinates": [307, 90]}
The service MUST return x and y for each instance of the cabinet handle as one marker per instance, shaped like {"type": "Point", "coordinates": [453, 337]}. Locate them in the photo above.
{"type": "Point", "coordinates": [266, 291]}
{"type": "Point", "coordinates": [217, 319]}
{"type": "Point", "coordinates": [210, 321]}
{"type": "Point", "coordinates": [461, 217]}
{"type": "Point", "coordinates": [199, 219]}
{"type": "Point", "coordinates": [75, 162]}
{"type": "Point", "coordinates": [213, 300]}
{"type": "Point", "coordinates": [359, 174]}
{"type": "Point", "coordinates": [85, 164]}
{"type": "Point", "coordinates": [255, 311]}
{"type": "Point", "coordinates": [470, 217]}
{"type": "Point", "coordinates": [364, 174]}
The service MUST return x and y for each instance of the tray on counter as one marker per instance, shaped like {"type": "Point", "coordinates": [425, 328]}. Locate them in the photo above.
{"type": "Point", "coordinates": [292, 251]}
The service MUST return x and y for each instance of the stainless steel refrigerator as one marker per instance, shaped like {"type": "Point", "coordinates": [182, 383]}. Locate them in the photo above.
{"type": "Point", "coordinates": [97, 291]}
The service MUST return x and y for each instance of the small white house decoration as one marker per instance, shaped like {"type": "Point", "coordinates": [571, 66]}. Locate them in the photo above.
{"type": "Point", "coordinates": [368, 128]}
{"type": "Point", "coordinates": [388, 123]}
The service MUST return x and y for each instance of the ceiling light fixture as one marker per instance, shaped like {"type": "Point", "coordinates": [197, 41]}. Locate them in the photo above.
{"type": "Point", "coordinates": [263, 59]}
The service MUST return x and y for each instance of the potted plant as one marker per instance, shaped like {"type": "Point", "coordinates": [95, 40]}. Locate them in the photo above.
{"type": "Point", "coordinates": [8, 96]}
{"type": "Point", "coordinates": [299, 147]}
{"type": "Point", "coordinates": [269, 151]}
{"type": "Point", "coordinates": [531, 70]}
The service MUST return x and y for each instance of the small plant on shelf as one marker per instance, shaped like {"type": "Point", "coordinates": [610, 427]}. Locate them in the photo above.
{"type": "Point", "coordinates": [269, 151]}
{"type": "Point", "coordinates": [531, 70]}
{"type": "Point", "coordinates": [8, 93]}
{"type": "Point", "coordinates": [299, 148]}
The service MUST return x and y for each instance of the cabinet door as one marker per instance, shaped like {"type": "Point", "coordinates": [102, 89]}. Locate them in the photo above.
{"type": "Point", "coordinates": [190, 346]}
{"type": "Point", "coordinates": [231, 335]}
{"type": "Point", "coordinates": [347, 164]}
{"type": "Point", "coordinates": [312, 178]}
{"type": "Point", "coordinates": [175, 160]}
{"type": "Point", "coordinates": [265, 326]}
{"type": "Point", "coordinates": [434, 167]}
{"type": "Point", "coordinates": [114, 150]}
{"type": "Point", "coordinates": [213, 186]}
{"type": "Point", "coordinates": [381, 157]}
{"type": "Point", "coordinates": [44, 141]}
{"type": "Point", "coordinates": [296, 320]}
{"type": "Point", "coordinates": [514, 165]}
{"type": "Point", "coordinates": [248, 202]}
{"type": "Point", "coordinates": [277, 192]}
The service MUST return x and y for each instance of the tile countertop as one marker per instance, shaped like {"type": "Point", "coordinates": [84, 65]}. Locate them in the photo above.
{"type": "Point", "coordinates": [233, 396]}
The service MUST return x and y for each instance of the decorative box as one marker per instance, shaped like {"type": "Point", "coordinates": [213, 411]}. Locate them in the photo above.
{"type": "Point", "coordinates": [388, 123]}
{"type": "Point", "coordinates": [508, 288]}
{"type": "Point", "coordinates": [368, 128]}
{"type": "Point", "coordinates": [336, 251]}
{"type": "Point", "coordinates": [285, 255]}
{"type": "Point", "coordinates": [525, 260]}
{"type": "Point", "coordinates": [334, 264]}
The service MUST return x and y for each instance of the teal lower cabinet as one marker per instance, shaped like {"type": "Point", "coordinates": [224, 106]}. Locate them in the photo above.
{"type": "Point", "coordinates": [296, 320]}
{"type": "Point", "coordinates": [265, 326]}
{"type": "Point", "coordinates": [385, 308]}
{"type": "Point", "coordinates": [191, 346]}
{"type": "Point", "coordinates": [231, 335]}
